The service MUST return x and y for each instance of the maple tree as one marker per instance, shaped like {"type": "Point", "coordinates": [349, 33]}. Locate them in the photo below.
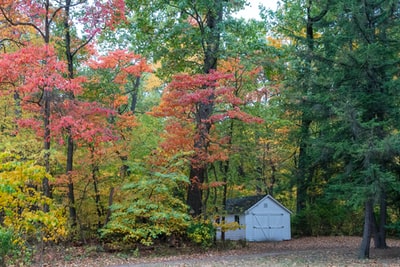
{"type": "Point", "coordinates": [98, 16]}
{"type": "Point", "coordinates": [189, 43]}
{"type": "Point", "coordinates": [45, 86]}
{"type": "Point", "coordinates": [127, 69]}
{"type": "Point", "coordinates": [181, 104]}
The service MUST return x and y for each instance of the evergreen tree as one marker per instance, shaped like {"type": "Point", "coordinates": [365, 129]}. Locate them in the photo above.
{"type": "Point", "coordinates": [366, 67]}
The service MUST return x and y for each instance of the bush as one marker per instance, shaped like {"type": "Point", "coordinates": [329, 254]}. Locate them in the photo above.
{"type": "Point", "coordinates": [327, 219]}
{"type": "Point", "coordinates": [202, 233]}
{"type": "Point", "coordinates": [394, 229]}
{"type": "Point", "coordinates": [13, 249]}
{"type": "Point", "coordinates": [6, 244]}
{"type": "Point", "coordinates": [154, 213]}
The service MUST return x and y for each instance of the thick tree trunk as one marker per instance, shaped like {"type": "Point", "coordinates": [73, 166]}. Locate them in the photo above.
{"type": "Point", "coordinates": [302, 173]}
{"type": "Point", "coordinates": [366, 239]}
{"type": "Point", "coordinates": [198, 170]}
{"type": "Point", "coordinates": [302, 168]}
{"type": "Point", "coordinates": [195, 193]}
{"type": "Point", "coordinates": [46, 116]}
{"type": "Point", "coordinates": [380, 233]}
{"type": "Point", "coordinates": [69, 168]}
{"type": "Point", "coordinates": [110, 202]}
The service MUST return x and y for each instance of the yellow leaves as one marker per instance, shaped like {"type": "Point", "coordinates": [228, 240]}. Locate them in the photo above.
{"type": "Point", "coordinates": [22, 202]}
{"type": "Point", "coordinates": [274, 42]}
{"type": "Point", "coordinates": [152, 82]}
{"type": "Point", "coordinates": [228, 226]}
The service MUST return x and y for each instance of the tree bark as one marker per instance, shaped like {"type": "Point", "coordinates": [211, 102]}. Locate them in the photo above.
{"type": "Point", "coordinates": [46, 147]}
{"type": "Point", "coordinates": [380, 234]}
{"type": "Point", "coordinates": [302, 173]}
{"type": "Point", "coordinates": [198, 169]}
{"type": "Point", "coordinates": [70, 141]}
{"type": "Point", "coordinates": [95, 171]}
{"type": "Point", "coordinates": [366, 239]}
{"type": "Point", "coordinates": [194, 194]}
{"type": "Point", "coordinates": [134, 94]}
{"type": "Point", "coordinates": [110, 202]}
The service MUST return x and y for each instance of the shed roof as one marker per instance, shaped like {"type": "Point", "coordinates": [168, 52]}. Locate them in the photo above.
{"type": "Point", "coordinates": [242, 204]}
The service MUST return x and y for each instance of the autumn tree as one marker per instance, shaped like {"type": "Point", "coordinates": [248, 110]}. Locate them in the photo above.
{"type": "Point", "coordinates": [195, 51]}
{"type": "Point", "coordinates": [181, 102]}
{"type": "Point", "coordinates": [95, 18]}
{"type": "Point", "coordinates": [38, 16]}
{"type": "Point", "coordinates": [43, 17]}
{"type": "Point", "coordinates": [127, 70]}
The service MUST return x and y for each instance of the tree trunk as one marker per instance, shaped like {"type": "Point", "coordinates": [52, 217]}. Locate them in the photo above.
{"type": "Point", "coordinates": [95, 170]}
{"type": "Point", "coordinates": [380, 235]}
{"type": "Point", "coordinates": [302, 173]}
{"type": "Point", "coordinates": [134, 94]}
{"type": "Point", "coordinates": [110, 202]}
{"type": "Point", "coordinates": [194, 194]}
{"type": "Point", "coordinates": [366, 239]}
{"type": "Point", "coordinates": [69, 168]}
{"type": "Point", "coordinates": [70, 142]}
{"type": "Point", "coordinates": [46, 116]}
{"type": "Point", "coordinates": [198, 171]}
{"type": "Point", "coordinates": [224, 195]}
{"type": "Point", "coordinates": [46, 146]}
{"type": "Point", "coordinates": [302, 168]}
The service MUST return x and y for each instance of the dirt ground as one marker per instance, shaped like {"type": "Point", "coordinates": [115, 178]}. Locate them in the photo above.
{"type": "Point", "coordinates": [306, 251]}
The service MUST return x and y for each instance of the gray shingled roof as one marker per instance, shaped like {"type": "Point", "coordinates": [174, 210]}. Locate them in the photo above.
{"type": "Point", "coordinates": [241, 204]}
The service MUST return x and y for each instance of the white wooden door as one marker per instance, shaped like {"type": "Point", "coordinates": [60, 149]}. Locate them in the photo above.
{"type": "Point", "coordinates": [268, 226]}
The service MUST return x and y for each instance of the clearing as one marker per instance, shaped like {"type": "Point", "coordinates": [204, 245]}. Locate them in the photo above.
{"type": "Point", "coordinates": [305, 251]}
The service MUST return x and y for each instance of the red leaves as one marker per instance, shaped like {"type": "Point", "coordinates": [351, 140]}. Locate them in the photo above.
{"type": "Point", "coordinates": [186, 92]}
{"type": "Point", "coordinates": [87, 122]}
{"type": "Point", "coordinates": [125, 63]}
{"type": "Point", "coordinates": [102, 14]}
{"type": "Point", "coordinates": [181, 104]}
{"type": "Point", "coordinates": [36, 68]}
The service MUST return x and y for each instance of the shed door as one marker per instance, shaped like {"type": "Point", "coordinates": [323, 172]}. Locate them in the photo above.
{"type": "Point", "coordinates": [268, 226]}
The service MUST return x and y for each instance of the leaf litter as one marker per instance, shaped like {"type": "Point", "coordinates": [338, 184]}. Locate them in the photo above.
{"type": "Point", "coordinates": [306, 251]}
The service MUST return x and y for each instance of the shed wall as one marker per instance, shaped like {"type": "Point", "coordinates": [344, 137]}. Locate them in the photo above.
{"type": "Point", "coordinates": [239, 234]}
{"type": "Point", "coordinates": [265, 221]}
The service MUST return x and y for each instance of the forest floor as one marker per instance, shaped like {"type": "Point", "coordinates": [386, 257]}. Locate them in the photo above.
{"type": "Point", "coordinates": [305, 251]}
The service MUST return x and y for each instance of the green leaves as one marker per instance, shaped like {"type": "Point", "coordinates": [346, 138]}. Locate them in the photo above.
{"type": "Point", "coordinates": [153, 212]}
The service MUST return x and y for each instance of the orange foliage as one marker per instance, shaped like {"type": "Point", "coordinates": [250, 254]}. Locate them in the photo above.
{"type": "Point", "coordinates": [124, 62]}
{"type": "Point", "coordinates": [180, 105]}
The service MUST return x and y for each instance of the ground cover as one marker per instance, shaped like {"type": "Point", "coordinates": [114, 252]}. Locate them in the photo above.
{"type": "Point", "coordinates": [305, 251]}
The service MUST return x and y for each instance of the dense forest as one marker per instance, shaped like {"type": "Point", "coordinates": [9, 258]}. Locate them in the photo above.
{"type": "Point", "coordinates": [132, 122]}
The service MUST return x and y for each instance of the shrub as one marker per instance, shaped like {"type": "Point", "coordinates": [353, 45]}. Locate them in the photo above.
{"type": "Point", "coordinates": [153, 213]}
{"type": "Point", "coordinates": [327, 219]}
{"type": "Point", "coordinates": [202, 233]}
{"type": "Point", "coordinates": [21, 204]}
{"type": "Point", "coordinates": [6, 244]}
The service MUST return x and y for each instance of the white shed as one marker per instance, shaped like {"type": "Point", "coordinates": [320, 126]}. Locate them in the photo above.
{"type": "Point", "coordinates": [261, 218]}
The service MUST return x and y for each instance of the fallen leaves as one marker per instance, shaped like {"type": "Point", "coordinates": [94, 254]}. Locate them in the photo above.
{"type": "Point", "coordinates": [306, 251]}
